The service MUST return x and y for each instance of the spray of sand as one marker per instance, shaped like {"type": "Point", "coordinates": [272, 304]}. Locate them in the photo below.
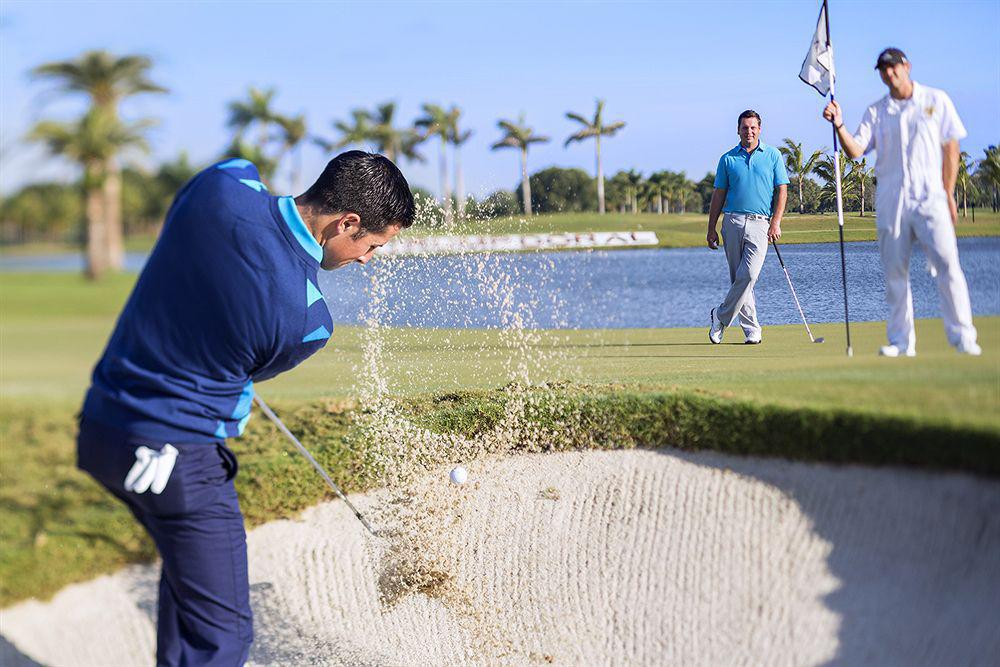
{"type": "Point", "coordinates": [417, 555]}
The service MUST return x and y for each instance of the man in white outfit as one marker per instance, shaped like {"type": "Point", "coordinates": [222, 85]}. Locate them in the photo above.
{"type": "Point", "coordinates": [915, 130]}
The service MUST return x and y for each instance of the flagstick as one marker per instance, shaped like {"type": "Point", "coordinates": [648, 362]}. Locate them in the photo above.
{"type": "Point", "coordinates": [840, 198]}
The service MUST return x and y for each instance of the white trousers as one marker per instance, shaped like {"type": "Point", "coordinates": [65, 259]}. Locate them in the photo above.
{"type": "Point", "coordinates": [928, 223]}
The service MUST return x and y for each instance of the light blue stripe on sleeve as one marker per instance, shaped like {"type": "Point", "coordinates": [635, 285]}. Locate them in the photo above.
{"type": "Point", "coordinates": [320, 333]}
{"type": "Point", "coordinates": [220, 431]}
{"type": "Point", "coordinates": [242, 425]}
{"type": "Point", "coordinates": [251, 183]}
{"type": "Point", "coordinates": [312, 293]}
{"type": "Point", "coordinates": [235, 163]}
{"type": "Point", "coordinates": [298, 226]}
{"type": "Point", "coordinates": [242, 408]}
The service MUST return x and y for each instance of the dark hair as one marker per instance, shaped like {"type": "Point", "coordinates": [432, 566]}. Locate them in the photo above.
{"type": "Point", "coordinates": [749, 113]}
{"type": "Point", "coordinates": [368, 184]}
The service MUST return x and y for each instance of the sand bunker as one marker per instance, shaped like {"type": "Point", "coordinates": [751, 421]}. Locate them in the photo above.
{"type": "Point", "coordinates": [639, 557]}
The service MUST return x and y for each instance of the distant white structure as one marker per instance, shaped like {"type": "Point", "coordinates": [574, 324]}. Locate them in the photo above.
{"type": "Point", "coordinates": [445, 245]}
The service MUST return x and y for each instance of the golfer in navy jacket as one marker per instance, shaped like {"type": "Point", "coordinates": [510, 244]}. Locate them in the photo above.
{"type": "Point", "coordinates": [228, 297]}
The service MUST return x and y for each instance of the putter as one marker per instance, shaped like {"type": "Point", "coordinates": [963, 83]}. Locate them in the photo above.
{"type": "Point", "coordinates": [305, 452]}
{"type": "Point", "coordinates": [794, 296]}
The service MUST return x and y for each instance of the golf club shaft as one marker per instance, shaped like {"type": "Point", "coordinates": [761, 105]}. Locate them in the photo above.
{"type": "Point", "coordinates": [794, 295]}
{"type": "Point", "coordinates": [305, 452]}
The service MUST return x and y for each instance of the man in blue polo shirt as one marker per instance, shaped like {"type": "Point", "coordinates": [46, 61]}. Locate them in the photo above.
{"type": "Point", "coordinates": [751, 186]}
{"type": "Point", "coordinates": [228, 297]}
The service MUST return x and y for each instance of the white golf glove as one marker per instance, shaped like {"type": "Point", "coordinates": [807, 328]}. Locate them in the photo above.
{"type": "Point", "coordinates": [151, 469]}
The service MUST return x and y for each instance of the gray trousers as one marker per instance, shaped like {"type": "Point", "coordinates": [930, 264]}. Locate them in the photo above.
{"type": "Point", "coordinates": [744, 239]}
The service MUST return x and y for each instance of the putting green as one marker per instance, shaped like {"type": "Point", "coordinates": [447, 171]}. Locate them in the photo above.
{"type": "Point", "coordinates": [53, 328]}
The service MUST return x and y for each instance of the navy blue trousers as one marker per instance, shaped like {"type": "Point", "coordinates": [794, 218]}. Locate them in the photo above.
{"type": "Point", "coordinates": [203, 615]}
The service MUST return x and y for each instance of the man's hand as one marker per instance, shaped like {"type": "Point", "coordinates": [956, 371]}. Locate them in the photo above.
{"type": "Point", "coordinates": [953, 208]}
{"type": "Point", "coordinates": [713, 238]}
{"type": "Point", "coordinates": [833, 113]}
{"type": "Point", "coordinates": [774, 231]}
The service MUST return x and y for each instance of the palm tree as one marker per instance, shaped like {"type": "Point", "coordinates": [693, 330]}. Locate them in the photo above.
{"type": "Point", "coordinates": [293, 133]}
{"type": "Point", "coordinates": [633, 179]}
{"type": "Point", "coordinates": [964, 180]}
{"type": "Point", "coordinates": [826, 170]}
{"type": "Point", "coordinates": [393, 142]}
{"type": "Point", "coordinates": [254, 110]}
{"type": "Point", "coordinates": [678, 187]}
{"type": "Point", "coordinates": [659, 182]}
{"type": "Point", "coordinates": [106, 79]}
{"type": "Point", "coordinates": [359, 131]}
{"type": "Point", "coordinates": [618, 191]}
{"type": "Point", "coordinates": [91, 142]}
{"type": "Point", "coordinates": [798, 167]}
{"type": "Point", "coordinates": [520, 136]}
{"type": "Point", "coordinates": [859, 174]}
{"type": "Point", "coordinates": [457, 139]}
{"type": "Point", "coordinates": [596, 129]}
{"type": "Point", "coordinates": [989, 171]}
{"type": "Point", "coordinates": [437, 122]}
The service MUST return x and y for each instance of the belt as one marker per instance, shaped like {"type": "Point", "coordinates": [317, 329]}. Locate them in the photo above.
{"type": "Point", "coordinates": [752, 216]}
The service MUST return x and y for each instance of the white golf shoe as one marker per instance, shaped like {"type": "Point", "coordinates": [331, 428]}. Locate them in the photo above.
{"type": "Point", "coordinates": [715, 332]}
{"type": "Point", "coordinates": [970, 348]}
{"type": "Point", "coordinates": [893, 351]}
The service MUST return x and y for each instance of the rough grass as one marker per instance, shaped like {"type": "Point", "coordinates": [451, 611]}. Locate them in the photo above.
{"type": "Point", "coordinates": [58, 526]}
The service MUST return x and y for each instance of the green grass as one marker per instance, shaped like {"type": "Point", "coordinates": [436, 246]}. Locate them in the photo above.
{"type": "Point", "coordinates": [688, 230]}
{"type": "Point", "coordinates": [648, 387]}
{"type": "Point", "coordinates": [673, 231]}
{"type": "Point", "coordinates": [53, 328]}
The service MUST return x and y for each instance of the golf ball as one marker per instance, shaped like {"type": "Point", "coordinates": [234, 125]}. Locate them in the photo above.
{"type": "Point", "coordinates": [459, 475]}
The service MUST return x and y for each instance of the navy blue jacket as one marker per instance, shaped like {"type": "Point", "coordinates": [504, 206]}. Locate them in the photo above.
{"type": "Point", "coordinates": [229, 296]}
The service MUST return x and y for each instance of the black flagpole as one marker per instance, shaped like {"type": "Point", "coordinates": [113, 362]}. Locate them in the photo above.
{"type": "Point", "coordinates": [843, 261]}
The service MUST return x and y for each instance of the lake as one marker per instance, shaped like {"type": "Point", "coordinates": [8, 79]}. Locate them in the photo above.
{"type": "Point", "coordinates": [614, 289]}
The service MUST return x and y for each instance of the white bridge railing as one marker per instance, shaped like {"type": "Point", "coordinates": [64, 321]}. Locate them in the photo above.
{"type": "Point", "coordinates": [444, 245]}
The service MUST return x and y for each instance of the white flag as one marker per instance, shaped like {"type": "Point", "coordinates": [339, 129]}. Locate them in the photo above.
{"type": "Point", "coordinates": [817, 68]}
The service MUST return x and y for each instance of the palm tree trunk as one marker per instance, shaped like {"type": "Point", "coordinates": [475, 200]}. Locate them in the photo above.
{"type": "Point", "coordinates": [445, 188]}
{"type": "Point", "coordinates": [965, 201]}
{"type": "Point", "coordinates": [862, 197]}
{"type": "Point", "coordinates": [525, 183]}
{"type": "Point", "coordinates": [96, 254]}
{"type": "Point", "coordinates": [801, 208]}
{"type": "Point", "coordinates": [115, 237]}
{"type": "Point", "coordinates": [600, 179]}
{"type": "Point", "coordinates": [297, 169]}
{"type": "Point", "coordinates": [659, 204]}
{"type": "Point", "coordinates": [459, 183]}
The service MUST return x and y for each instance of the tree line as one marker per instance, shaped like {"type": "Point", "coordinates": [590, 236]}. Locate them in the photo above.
{"type": "Point", "coordinates": [111, 199]}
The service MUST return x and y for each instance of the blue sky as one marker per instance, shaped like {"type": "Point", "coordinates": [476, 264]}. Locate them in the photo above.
{"type": "Point", "coordinates": [677, 72]}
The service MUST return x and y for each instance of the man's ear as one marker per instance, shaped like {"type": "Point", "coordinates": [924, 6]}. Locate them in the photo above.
{"type": "Point", "coordinates": [351, 223]}
{"type": "Point", "coordinates": [344, 223]}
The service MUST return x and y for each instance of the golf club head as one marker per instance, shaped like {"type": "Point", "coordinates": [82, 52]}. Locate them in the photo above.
{"type": "Point", "coordinates": [818, 340]}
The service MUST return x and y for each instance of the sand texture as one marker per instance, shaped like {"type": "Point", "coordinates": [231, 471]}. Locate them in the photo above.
{"type": "Point", "coordinates": [615, 557]}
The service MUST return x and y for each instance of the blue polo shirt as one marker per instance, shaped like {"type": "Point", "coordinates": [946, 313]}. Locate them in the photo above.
{"type": "Point", "coordinates": [750, 178]}
{"type": "Point", "coordinates": [228, 297]}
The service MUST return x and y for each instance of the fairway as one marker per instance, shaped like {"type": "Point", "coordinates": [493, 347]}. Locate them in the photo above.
{"type": "Point", "coordinates": [688, 230]}
{"type": "Point", "coordinates": [674, 230]}
{"type": "Point", "coordinates": [53, 328]}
